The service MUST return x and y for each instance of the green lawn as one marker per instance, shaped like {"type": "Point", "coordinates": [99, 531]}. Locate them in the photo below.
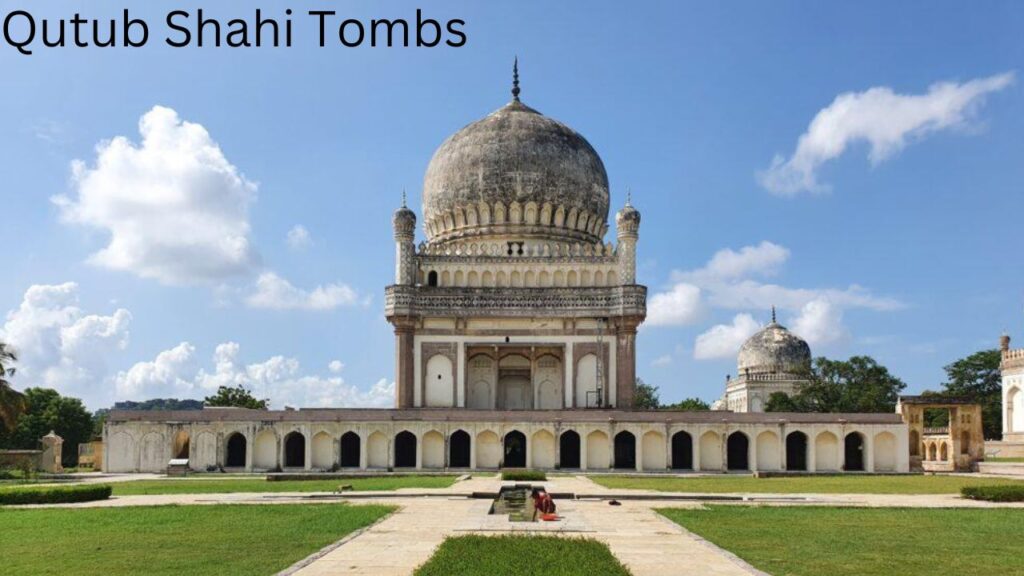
{"type": "Point", "coordinates": [230, 485]}
{"type": "Point", "coordinates": [521, 556]}
{"type": "Point", "coordinates": [803, 484]}
{"type": "Point", "coordinates": [173, 540]}
{"type": "Point", "coordinates": [809, 541]}
{"type": "Point", "coordinates": [1004, 459]}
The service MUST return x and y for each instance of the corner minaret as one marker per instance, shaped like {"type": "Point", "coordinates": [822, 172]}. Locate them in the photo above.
{"type": "Point", "coordinates": [627, 224]}
{"type": "Point", "coordinates": [404, 222]}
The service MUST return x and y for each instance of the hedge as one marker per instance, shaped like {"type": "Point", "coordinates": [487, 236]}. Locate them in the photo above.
{"type": "Point", "coordinates": [1008, 493]}
{"type": "Point", "coordinates": [524, 475]}
{"type": "Point", "coordinates": [54, 494]}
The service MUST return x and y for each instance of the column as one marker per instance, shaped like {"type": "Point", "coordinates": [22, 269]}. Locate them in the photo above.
{"type": "Point", "coordinates": [404, 371]}
{"type": "Point", "coordinates": [363, 456]}
{"type": "Point", "coordinates": [460, 379]}
{"type": "Point", "coordinates": [250, 447]}
{"type": "Point", "coordinates": [419, 452]}
{"type": "Point", "coordinates": [812, 451]}
{"type": "Point", "coordinates": [625, 361]}
{"type": "Point", "coordinates": [639, 439]}
{"type": "Point", "coordinates": [869, 452]}
{"type": "Point", "coordinates": [472, 450]}
{"type": "Point", "coordinates": [583, 450]}
{"type": "Point", "coordinates": [695, 439]}
{"type": "Point", "coordinates": [570, 385]}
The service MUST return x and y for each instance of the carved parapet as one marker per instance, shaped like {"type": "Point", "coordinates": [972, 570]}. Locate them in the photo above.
{"type": "Point", "coordinates": [1013, 359]}
{"type": "Point", "coordinates": [522, 302]}
{"type": "Point", "coordinates": [516, 250]}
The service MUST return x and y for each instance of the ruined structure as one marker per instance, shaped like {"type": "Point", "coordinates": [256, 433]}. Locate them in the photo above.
{"type": "Point", "coordinates": [515, 327]}
{"type": "Point", "coordinates": [954, 446]}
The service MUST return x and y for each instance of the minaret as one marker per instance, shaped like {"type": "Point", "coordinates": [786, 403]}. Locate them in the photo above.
{"type": "Point", "coordinates": [627, 224]}
{"type": "Point", "coordinates": [404, 222]}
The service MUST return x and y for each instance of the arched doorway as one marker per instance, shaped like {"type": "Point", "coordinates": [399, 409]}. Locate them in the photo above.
{"type": "Point", "coordinates": [405, 450]}
{"type": "Point", "coordinates": [181, 442]}
{"type": "Point", "coordinates": [458, 450]}
{"type": "Point", "coordinates": [737, 452]}
{"type": "Point", "coordinates": [915, 443]}
{"type": "Point", "coordinates": [625, 451]}
{"type": "Point", "coordinates": [235, 458]}
{"type": "Point", "coordinates": [515, 450]}
{"type": "Point", "coordinates": [854, 452]}
{"type": "Point", "coordinates": [295, 450]}
{"type": "Point", "coordinates": [682, 451]}
{"type": "Point", "coordinates": [350, 449]}
{"type": "Point", "coordinates": [569, 449]}
{"type": "Point", "coordinates": [796, 452]}
{"type": "Point", "coordinates": [432, 278]}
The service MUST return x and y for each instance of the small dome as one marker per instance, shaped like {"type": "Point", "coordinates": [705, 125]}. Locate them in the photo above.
{"type": "Point", "coordinates": [774, 349]}
{"type": "Point", "coordinates": [516, 174]}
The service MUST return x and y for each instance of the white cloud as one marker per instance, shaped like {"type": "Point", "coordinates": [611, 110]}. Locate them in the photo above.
{"type": "Point", "coordinates": [298, 237]}
{"type": "Point", "coordinates": [820, 322]}
{"type": "Point", "coordinates": [662, 361]}
{"type": "Point", "coordinates": [724, 340]}
{"type": "Point", "coordinates": [335, 366]}
{"type": "Point", "coordinates": [175, 372]}
{"type": "Point", "coordinates": [175, 208]}
{"type": "Point", "coordinates": [679, 306]}
{"type": "Point", "coordinates": [275, 292]}
{"type": "Point", "coordinates": [60, 346]}
{"type": "Point", "coordinates": [882, 118]}
{"type": "Point", "coordinates": [765, 259]}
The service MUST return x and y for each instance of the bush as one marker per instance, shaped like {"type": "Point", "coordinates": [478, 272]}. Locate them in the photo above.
{"type": "Point", "coordinates": [1008, 493]}
{"type": "Point", "coordinates": [54, 494]}
{"type": "Point", "coordinates": [524, 475]}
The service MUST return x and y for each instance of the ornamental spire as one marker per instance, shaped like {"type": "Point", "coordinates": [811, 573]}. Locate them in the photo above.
{"type": "Point", "coordinates": [403, 198]}
{"type": "Point", "coordinates": [515, 80]}
{"type": "Point", "coordinates": [629, 196]}
{"type": "Point", "coordinates": [773, 314]}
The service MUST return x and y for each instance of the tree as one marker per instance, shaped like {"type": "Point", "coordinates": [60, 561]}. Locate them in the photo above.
{"type": "Point", "coordinates": [236, 397]}
{"type": "Point", "coordinates": [47, 410]}
{"type": "Point", "coordinates": [857, 385]}
{"type": "Point", "coordinates": [646, 396]}
{"type": "Point", "coordinates": [688, 405]}
{"type": "Point", "coordinates": [978, 377]}
{"type": "Point", "coordinates": [12, 402]}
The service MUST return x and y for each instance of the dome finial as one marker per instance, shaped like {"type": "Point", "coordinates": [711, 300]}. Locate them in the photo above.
{"type": "Point", "coordinates": [773, 314]}
{"type": "Point", "coordinates": [629, 196]}
{"type": "Point", "coordinates": [403, 198]}
{"type": "Point", "coordinates": [515, 79]}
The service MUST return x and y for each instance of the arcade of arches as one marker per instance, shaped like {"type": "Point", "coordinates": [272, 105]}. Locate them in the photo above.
{"type": "Point", "coordinates": [590, 447]}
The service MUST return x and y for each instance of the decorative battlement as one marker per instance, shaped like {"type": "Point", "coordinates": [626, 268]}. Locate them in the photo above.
{"type": "Point", "coordinates": [406, 301]}
{"type": "Point", "coordinates": [517, 250]}
{"type": "Point", "coordinates": [768, 377]}
{"type": "Point", "coordinates": [1013, 359]}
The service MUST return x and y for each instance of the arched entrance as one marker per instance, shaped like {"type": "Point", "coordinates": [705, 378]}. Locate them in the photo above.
{"type": "Point", "coordinates": [569, 449]}
{"type": "Point", "coordinates": [350, 449]}
{"type": "Point", "coordinates": [458, 450]}
{"type": "Point", "coordinates": [854, 452]}
{"type": "Point", "coordinates": [515, 450]}
{"type": "Point", "coordinates": [915, 443]}
{"type": "Point", "coordinates": [405, 450]}
{"type": "Point", "coordinates": [682, 451]}
{"type": "Point", "coordinates": [181, 445]}
{"type": "Point", "coordinates": [625, 451]}
{"type": "Point", "coordinates": [294, 450]}
{"type": "Point", "coordinates": [235, 457]}
{"type": "Point", "coordinates": [796, 452]}
{"type": "Point", "coordinates": [737, 452]}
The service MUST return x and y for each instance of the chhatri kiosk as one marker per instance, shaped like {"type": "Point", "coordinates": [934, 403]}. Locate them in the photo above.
{"type": "Point", "coordinates": [515, 325]}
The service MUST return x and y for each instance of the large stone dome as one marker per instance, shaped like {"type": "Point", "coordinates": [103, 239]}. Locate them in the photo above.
{"type": "Point", "coordinates": [774, 350]}
{"type": "Point", "coordinates": [516, 174]}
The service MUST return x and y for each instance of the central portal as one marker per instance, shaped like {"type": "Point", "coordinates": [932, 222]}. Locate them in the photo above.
{"type": "Point", "coordinates": [515, 389]}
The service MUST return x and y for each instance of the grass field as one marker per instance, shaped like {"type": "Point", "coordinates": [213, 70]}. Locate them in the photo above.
{"type": "Point", "coordinates": [521, 556]}
{"type": "Point", "coordinates": [172, 540]}
{"type": "Point", "coordinates": [803, 484]}
{"type": "Point", "coordinates": [996, 459]}
{"type": "Point", "coordinates": [232, 485]}
{"type": "Point", "coordinates": [806, 541]}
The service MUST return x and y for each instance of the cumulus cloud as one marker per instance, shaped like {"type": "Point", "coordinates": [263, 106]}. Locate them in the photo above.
{"type": "Point", "coordinates": [820, 322]}
{"type": "Point", "coordinates": [662, 361]}
{"type": "Point", "coordinates": [887, 121]}
{"type": "Point", "coordinates": [765, 259]}
{"type": "Point", "coordinates": [335, 366]}
{"type": "Point", "coordinates": [724, 340]}
{"type": "Point", "coordinates": [174, 207]}
{"type": "Point", "coordinates": [176, 372]}
{"type": "Point", "coordinates": [679, 306]}
{"type": "Point", "coordinates": [277, 293]}
{"type": "Point", "coordinates": [298, 237]}
{"type": "Point", "coordinates": [59, 345]}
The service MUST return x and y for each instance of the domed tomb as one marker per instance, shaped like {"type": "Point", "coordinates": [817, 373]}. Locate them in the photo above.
{"type": "Point", "coordinates": [774, 350]}
{"type": "Point", "coordinates": [514, 175]}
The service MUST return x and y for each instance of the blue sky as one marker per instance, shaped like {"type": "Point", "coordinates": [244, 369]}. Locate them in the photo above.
{"type": "Point", "coordinates": [905, 246]}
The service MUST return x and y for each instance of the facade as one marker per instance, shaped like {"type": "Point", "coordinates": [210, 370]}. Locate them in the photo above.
{"type": "Point", "coordinates": [1012, 367]}
{"type": "Point", "coordinates": [515, 327]}
{"type": "Point", "coordinates": [955, 447]}
{"type": "Point", "coordinates": [772, 360]}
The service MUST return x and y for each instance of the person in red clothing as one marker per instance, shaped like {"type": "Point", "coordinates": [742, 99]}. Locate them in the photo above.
{"type": "Point", "coordinates": [542, 501]}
